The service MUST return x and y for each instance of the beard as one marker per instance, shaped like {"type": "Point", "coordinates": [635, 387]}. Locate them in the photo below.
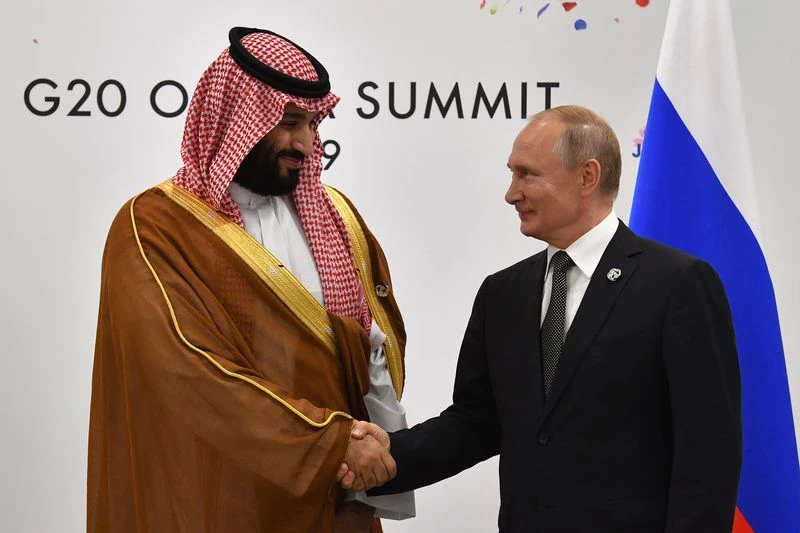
{"type": "Point", "coordinates": [261, 172]}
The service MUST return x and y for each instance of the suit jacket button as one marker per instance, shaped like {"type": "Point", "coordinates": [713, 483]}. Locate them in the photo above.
{"type": "Point", "coordinates": [382, 290]}
{"type": "Point", "coordinates": [543, 439]}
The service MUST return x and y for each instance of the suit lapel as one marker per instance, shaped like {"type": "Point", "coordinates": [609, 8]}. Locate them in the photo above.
{"type": "Point", "coordinates": [595, 307]}
{"type": "Point", "coordinates": [530, 297]}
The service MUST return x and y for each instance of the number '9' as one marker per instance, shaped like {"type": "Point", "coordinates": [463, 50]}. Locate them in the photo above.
{"type": "Point", "coordinates": [332, 154]}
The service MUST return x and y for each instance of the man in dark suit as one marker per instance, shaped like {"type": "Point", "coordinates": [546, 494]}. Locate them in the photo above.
{"type": "Point", "coordinates": [603, 369]}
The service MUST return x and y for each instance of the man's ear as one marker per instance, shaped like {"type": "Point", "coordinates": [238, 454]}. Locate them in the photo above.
{"type": "Point", "coordinates": [590, 176]}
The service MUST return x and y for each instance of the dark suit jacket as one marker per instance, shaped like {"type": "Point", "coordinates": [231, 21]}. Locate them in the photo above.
{"type": "Point", "coordinates": [642, 430]}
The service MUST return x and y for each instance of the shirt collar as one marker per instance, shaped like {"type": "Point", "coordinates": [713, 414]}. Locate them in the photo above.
{"type": "Point", "coordinates": [587, 251]}
{"type": "Point", "coordinates": [246, 198]}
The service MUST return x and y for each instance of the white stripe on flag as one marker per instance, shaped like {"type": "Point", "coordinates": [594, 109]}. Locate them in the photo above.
{"type": "Point", "coordinates": [698, 71]}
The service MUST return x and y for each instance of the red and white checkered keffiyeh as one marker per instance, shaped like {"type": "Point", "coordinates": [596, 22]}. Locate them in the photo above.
{"type": "Point", "coordinates": [230, 112]}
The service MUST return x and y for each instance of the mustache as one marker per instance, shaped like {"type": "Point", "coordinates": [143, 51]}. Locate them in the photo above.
{"type": "Point", "coordinates": [294, 154]}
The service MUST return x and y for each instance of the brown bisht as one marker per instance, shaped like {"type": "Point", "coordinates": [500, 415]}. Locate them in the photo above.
{"type": "Point", "coordinates": [222, 392]}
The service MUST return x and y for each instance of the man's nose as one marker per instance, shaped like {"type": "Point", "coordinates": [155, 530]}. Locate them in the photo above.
{"type": "Point", "coordinates": [303, 141]}
{"type": "Point", "coordinates": [512, 194]}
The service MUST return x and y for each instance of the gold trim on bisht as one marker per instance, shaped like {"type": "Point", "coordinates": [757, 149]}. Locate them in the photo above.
{"type": "Point", "coordinates": [205, 214]}
{"type": "Point", "coordinates": [364, 270]}
{"type": "Point", "coordinates": [267, 266]}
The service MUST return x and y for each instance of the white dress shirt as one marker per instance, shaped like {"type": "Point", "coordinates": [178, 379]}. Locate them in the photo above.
{"type": "Point", "coordinates": [585, 253]}
{"type": "Point", "coordinates": [273, 221]}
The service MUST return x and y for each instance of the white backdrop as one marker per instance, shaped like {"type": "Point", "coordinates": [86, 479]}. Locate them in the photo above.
{"type": "Point", "coordinates": [431, 189]}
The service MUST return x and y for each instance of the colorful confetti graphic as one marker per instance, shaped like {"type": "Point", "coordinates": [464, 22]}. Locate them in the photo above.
{"type": "Point", "coordinates": [580, 23]}
{"type": "Point", "coordinates": [542, 10]}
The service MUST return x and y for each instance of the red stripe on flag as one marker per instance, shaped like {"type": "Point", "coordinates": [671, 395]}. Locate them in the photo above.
{"type": "Point", "coordinates": [740, 524]}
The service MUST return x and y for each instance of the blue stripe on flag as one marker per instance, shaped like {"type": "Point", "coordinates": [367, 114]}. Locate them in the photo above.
{"type": "Point", "coordinates": [680, 201]}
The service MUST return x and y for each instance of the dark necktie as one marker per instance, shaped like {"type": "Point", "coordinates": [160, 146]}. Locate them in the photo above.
{"type": "Point", "coordinates": [553, 325]}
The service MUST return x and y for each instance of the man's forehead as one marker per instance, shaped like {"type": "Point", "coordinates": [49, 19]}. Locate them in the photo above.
{"type": "Point", "coordinates": [292, 110]}
{"type": "Point", "coordinates": [539, 134]}
{"type": "Point", "coordinates": [537, 137]}
{"type": "Point", "coordinates": [543, 128]}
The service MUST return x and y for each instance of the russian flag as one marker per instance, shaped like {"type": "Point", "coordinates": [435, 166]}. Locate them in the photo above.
{"type": "Point", "coordinates": [695, 191]}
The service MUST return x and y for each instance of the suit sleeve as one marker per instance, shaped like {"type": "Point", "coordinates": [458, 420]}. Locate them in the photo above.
{"type": "Point", "coordinates": [702, 369]}
{"type": "Point", "coordinates": [465, 433]}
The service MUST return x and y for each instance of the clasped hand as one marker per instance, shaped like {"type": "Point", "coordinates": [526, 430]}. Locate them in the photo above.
{"type": "Point", "coordinates": [367, 462]}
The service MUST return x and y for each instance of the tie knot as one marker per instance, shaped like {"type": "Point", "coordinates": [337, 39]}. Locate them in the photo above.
{"type": "Point", "coordinates": [561, 261]}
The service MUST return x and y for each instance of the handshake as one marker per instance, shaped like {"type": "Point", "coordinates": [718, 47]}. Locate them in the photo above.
{"type": "Point", "coordinates": [367, 463]}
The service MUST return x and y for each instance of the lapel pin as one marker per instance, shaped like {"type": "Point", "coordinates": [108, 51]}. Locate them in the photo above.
{"type": "Point", "coordinates": [614, 274]}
